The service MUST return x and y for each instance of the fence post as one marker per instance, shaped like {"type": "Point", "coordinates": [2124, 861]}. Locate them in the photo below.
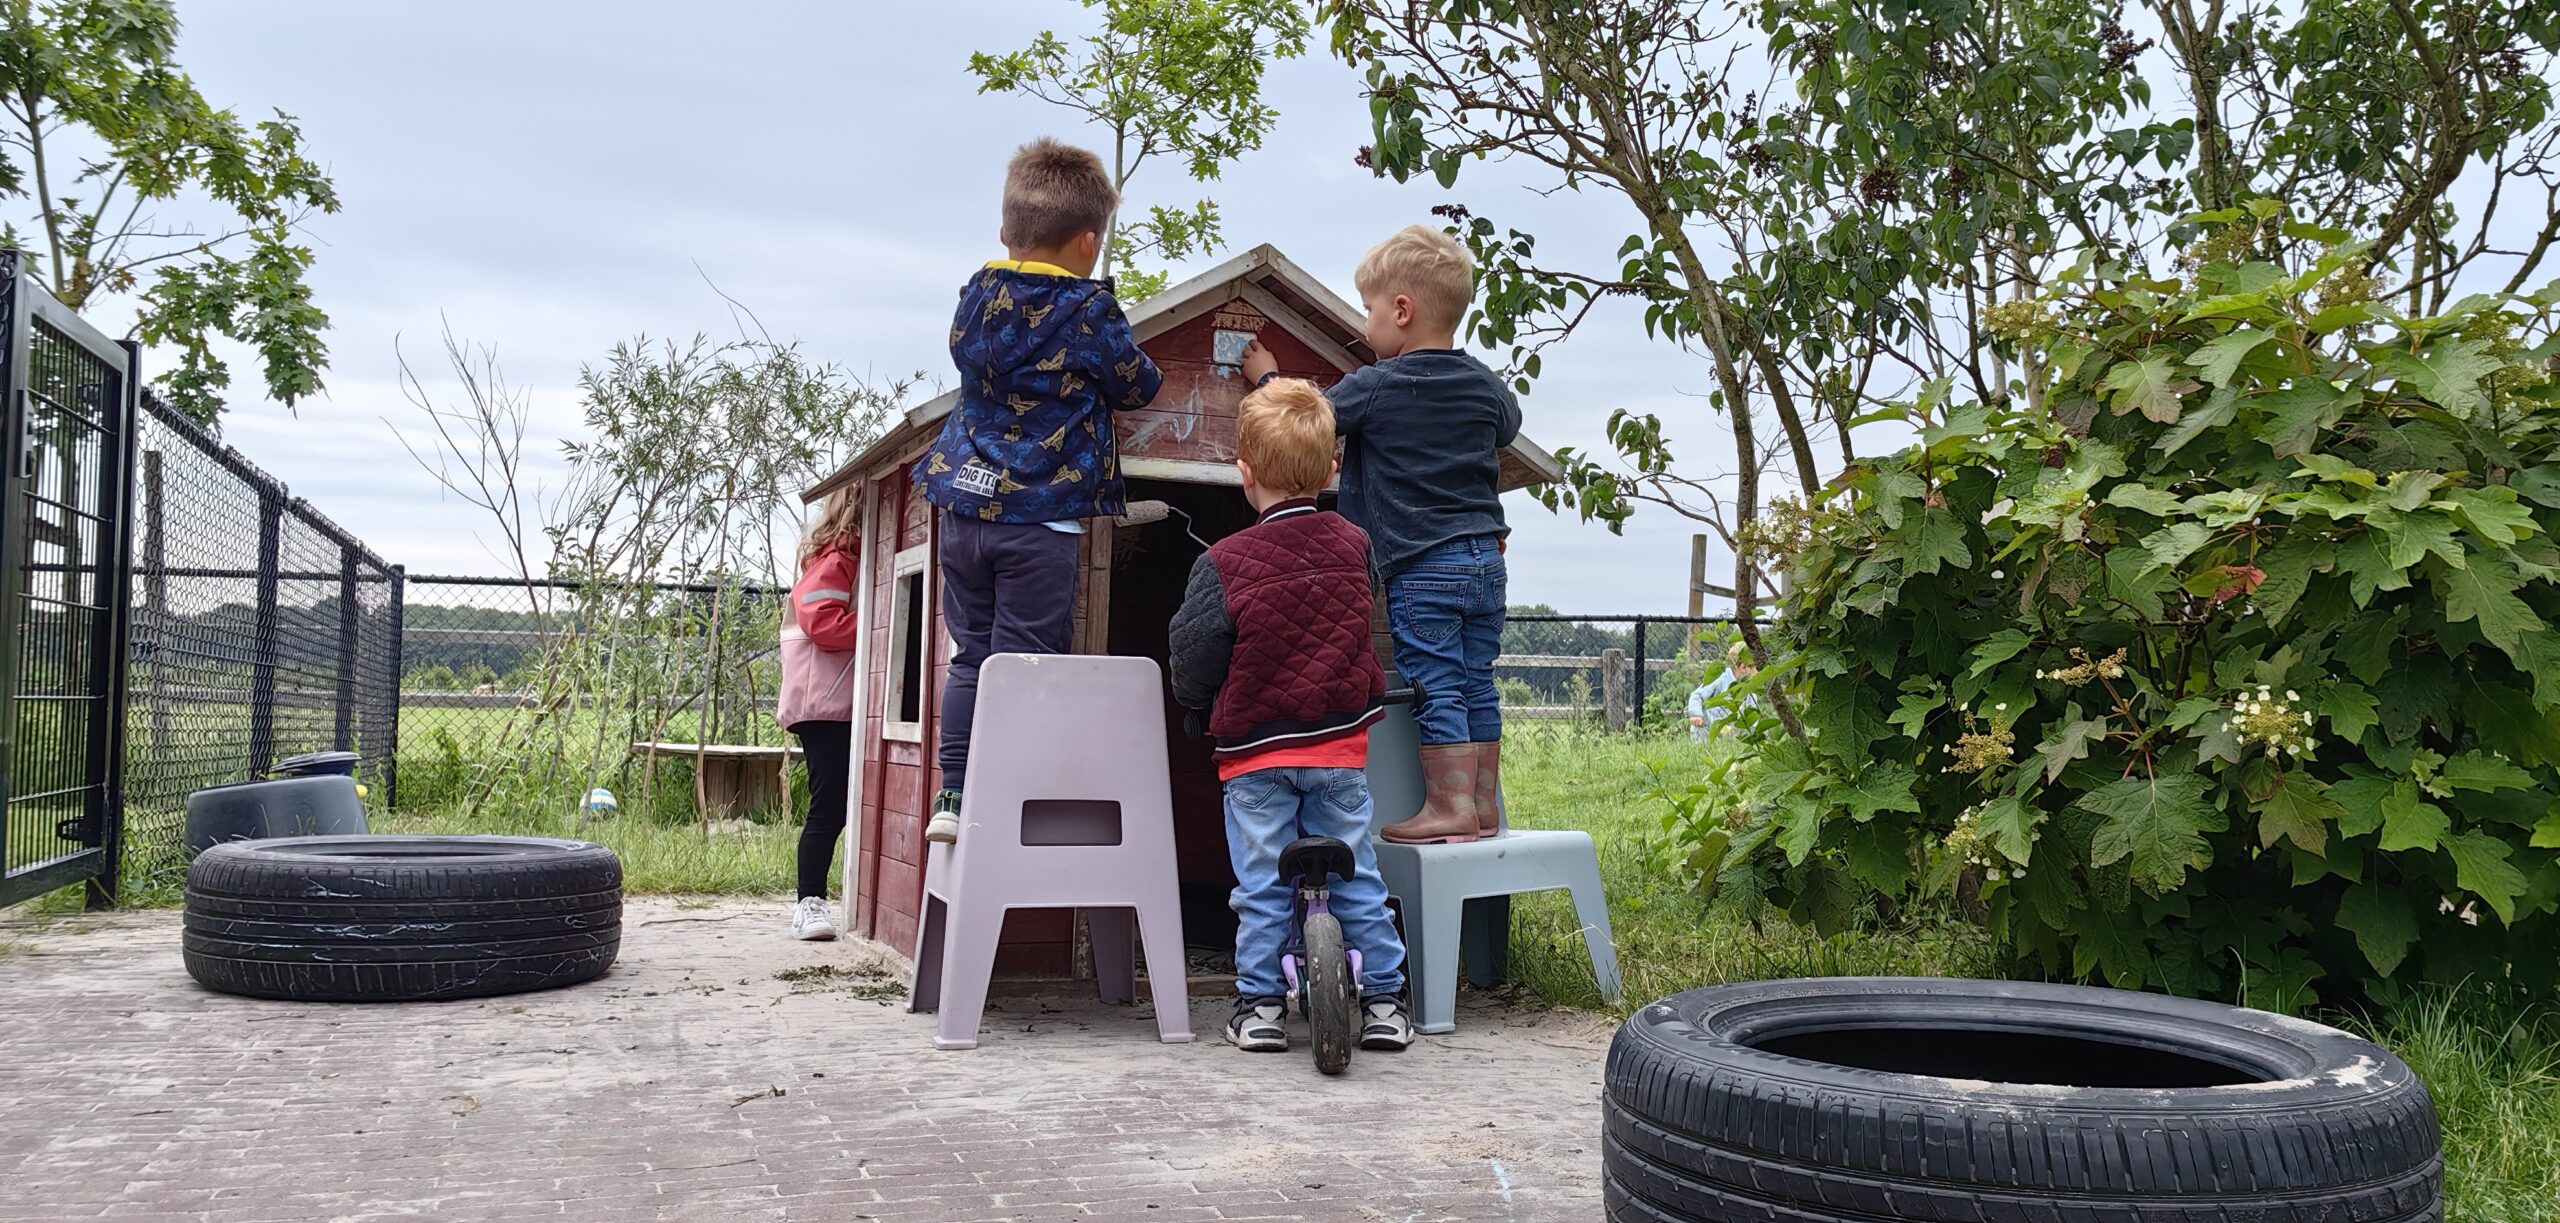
{"type": "Point", "coordinates": [1697, 592]}
{"type": "Point", "coordinates": [1613, 688]}
{"type": "Point", "coordinates": [345, 730]}
{"type": "Point", "coordinates": [399, 667]}
{"type": "Point", "coordinates": [1639, 685]}
{"type": "Point", "coordinates": [262, 682]}
{"type": "Point", "coordinates": [155, 593]}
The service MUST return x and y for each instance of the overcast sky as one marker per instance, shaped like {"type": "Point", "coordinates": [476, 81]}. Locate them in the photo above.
{"type": "Point", "coordinates": [546, 177]}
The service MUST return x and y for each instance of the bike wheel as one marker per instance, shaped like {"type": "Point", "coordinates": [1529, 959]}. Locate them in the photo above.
{"type": "Point", "coordinates": [1332, 1002]}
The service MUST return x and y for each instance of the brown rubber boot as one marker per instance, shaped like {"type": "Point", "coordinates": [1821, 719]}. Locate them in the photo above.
{"type": "Point", "coordinates": [1449, 807]}
{"type": "Point", "coordinates": [1489, 788]}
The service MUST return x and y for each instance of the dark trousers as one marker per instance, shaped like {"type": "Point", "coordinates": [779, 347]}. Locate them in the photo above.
{"type": "Point", "coordinates": [1007, 588]}
{"type": "Point", "coordinates": [830, 749]}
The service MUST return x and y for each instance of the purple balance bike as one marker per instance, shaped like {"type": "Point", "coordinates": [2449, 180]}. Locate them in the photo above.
{"type": "Point", "coordinates": [1323, 975]}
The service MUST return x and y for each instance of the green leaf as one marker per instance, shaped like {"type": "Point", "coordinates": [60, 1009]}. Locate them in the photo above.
{"type": "Point", "coordinates": [2546, 835]}
{"type": "Point", "coordinates": [2492, 513]}
{"type": "Point", "coordinates": [2485, 591]}
{"type": "Point", "coordinates": [1879, 855]}
{"type": "Point", "coordinates": [2480, 866]}
{"type": "Point", "coordinates": [1799, 827]}
{"type": "Point", "coordinates": [1881, 786]}
{"type": "Point", "coordinates": [2009, 826]}
{"type": "Point", "coordinates": [2475, 771]}
{"type": "Point", "coordinates": [2413, 536]}
{"type": "Point", "coordinates": [2150, 385]}
{"type": "Point", "coordinates": [1911, 715]}
{"type": "Point", "coordinates": [1933, 539]}
{"type": "Point", "coordinates": [1996, 649]}
{"type": "Point", "coordinates": [2296, 415]}
{"type": "Point", "coordinates": [2411, 822]}
{"type": "Point", "coordinates": [2158, 823]}
{"type": "Point", "coordinates": [2360, 798]}
{"type": "Point", "coordinates": [2219, 409]}
{"type": "Point", "coordinates": [2174, 543]}
{"type": "Point", "coordinates": [2448, 375]}
{"type": "Point", "coordinates": [2349, 709]}
{"type": "Point", "coordinates": [2147, 499]}
{"type": "Point", "coordinates": [1824, 901]}
{"type": "Point", "coordinates": [2111, 945]}
{"type": "Point", "coordinates": [2218, 360]}
{"type": "Point", "coordinates": [2384, 921]}
{"type": "Point", "coordinates": [2068, 742]}
{"type": "Point", "coordinates": [2300, 812]}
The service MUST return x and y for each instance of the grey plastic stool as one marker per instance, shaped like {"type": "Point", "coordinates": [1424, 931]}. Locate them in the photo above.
{"type": "Point", "coordinates": [1070, 805]}
{"type": "Point", "coordinates": [1433, 884]}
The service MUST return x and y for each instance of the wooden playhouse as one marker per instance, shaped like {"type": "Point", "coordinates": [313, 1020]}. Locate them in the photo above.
{"type": "Point", "coordinates": [1180, 450]}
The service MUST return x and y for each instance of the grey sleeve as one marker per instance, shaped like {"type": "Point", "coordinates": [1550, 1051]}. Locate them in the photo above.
{"type": "Point", "coordinates": [1203, 638]}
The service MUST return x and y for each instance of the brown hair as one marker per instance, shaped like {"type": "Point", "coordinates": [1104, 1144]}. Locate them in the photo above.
{"type": "Point", "coordinates": [834, 527]}
{"type": "Point", "coordinates": [1054, 192]}
{"type": "Point", "coordinates": [1426, 265]}
{"type": "Point", "coordinates": [1284, 431]}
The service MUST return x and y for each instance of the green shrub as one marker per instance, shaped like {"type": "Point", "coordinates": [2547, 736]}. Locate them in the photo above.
{"type": "Point", "coordinates": [2227, 667]}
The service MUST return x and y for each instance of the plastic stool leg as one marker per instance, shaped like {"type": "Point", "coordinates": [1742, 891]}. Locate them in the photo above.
{"type": "Point", "coordinates": [924, 986]}
{"type": "Point", "coordinates": [968, 961]}
{"type": "Point", "coordinates": [1591, 908]}
{"type": "Point", "coordinates": [1432, 964]}
{"type": "Point", "coordinates": [1168, 974]}
{"type": "Point", "coordinates": [1114, 933]}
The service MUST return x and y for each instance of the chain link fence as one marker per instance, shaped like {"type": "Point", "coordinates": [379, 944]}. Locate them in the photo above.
{"type": "Point", "coordinates": [483, 659]}
{"type": "Point", "coordinates": [260, 630]}
{"type": "Point", "coordinates": [1618, 671]}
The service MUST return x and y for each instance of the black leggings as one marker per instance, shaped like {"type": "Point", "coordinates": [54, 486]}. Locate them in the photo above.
{"type": "Point", "coordinates": [830, 749]}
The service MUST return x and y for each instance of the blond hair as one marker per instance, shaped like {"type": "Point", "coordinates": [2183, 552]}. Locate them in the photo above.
{"type": "Point", "coordinates": [1054, 192]}
{"type": "Point", "coordinates": [1426, 265]}
{"type": "Point", "coordinates": [834, 527]}
{"type": "Point", "coordinates": [1284, 431]}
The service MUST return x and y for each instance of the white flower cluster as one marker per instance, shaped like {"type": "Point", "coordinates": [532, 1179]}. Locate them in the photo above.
{"type": "Point", "coordinates": [1967, 842]}
{"type": "Point", "coordinates": [2263, 720]}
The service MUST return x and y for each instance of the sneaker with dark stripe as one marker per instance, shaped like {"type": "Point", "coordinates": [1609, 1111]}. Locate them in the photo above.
{"type": "Point", "coordinates": [1385, 1027]}
{"type": "Point", "coordinates": [1257, 1026]}
{"type": "Point", "coordinates": [945, 824]}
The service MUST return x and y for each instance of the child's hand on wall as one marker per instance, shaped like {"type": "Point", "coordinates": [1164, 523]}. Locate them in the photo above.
{"type": "Point", "coordinates": [1258, 361]}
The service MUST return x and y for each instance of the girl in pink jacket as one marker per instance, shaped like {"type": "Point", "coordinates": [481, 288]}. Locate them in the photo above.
{"type": "Point", "coordinates": [816, 698]}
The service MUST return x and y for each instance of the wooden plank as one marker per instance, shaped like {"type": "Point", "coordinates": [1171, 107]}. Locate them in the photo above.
{"type": "Point", "coordinates": [719, 751]}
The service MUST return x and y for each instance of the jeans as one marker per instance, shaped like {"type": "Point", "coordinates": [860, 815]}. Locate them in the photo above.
{"type": "Point", "coordinates": [1265, 811]}
{"type": "Point", "coordinates": [830, 749]}
{"type": "Point", "coordinates": [1445, 613]}
{"type": "Point", "coordinates": [1007, 588]}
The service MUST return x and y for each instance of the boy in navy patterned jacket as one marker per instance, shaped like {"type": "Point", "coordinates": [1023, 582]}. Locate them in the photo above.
{"type": "Point", "coordinates": [1028, 453]}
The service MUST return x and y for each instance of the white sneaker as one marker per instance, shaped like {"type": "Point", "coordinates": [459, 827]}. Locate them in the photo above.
{"type": "Point", "coordinates": [810, 922]}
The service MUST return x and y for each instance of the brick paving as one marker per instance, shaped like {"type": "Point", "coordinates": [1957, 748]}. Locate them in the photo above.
{"type": "Point", "coordinates": [693, 1083]}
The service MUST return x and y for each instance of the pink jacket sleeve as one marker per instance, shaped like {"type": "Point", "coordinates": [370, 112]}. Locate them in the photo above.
{"type": "Point", "coordinates": [822, 601]}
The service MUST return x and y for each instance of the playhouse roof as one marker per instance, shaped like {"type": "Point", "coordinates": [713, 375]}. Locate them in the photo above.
{"type": "Point", "coordinates": [1263, 276]}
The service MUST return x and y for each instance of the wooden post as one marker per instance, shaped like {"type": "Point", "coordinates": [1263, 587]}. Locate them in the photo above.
{"type": "Point", "coordinates": [1697, 591]}
{"type": "Point", "coordinates": [1613, 689]}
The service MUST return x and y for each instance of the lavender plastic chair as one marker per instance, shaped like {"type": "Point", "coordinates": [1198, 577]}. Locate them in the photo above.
{"type": "Point", "coordinates": [1069, 805]}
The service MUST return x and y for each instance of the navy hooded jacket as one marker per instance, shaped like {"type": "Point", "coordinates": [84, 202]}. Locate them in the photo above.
{"type": "Point", "coordinates": [1045, 358]}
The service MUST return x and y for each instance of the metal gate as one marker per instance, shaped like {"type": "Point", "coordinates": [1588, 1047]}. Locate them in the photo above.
{"type": "Point", "coordinates": [69, 406]}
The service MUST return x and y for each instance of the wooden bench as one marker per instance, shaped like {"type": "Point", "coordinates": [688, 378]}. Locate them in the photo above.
{"type": "Point", "coordinates": [736, 777]}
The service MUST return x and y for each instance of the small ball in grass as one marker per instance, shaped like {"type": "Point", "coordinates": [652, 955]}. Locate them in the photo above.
{"type": "Point", "coordinates": [601, 804]}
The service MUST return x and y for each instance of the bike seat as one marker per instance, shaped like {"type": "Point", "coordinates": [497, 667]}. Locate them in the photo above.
{"type": "Point", "coordinates": [1316, 859]}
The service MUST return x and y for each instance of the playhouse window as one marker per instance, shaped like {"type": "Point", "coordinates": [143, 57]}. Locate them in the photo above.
{"type": "Point", "coordinates": [907, 674]}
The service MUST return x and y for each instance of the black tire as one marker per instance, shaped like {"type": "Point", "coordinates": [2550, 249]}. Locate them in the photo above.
{"type": "Point", "coordinates": [401, 918]}
{"type": "Point", "coordinates": [1332, 1008]}
{"type": "Point", "coordinates": [1861, 1099]}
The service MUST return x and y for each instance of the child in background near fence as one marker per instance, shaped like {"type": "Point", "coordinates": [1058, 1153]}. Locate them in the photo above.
{"type": "Point", "coordinates": [1028, 453]}
{"type": "Point", "coordinates": [815, 700]}
{"type": "Point", "coordinates": [1424, 429]}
